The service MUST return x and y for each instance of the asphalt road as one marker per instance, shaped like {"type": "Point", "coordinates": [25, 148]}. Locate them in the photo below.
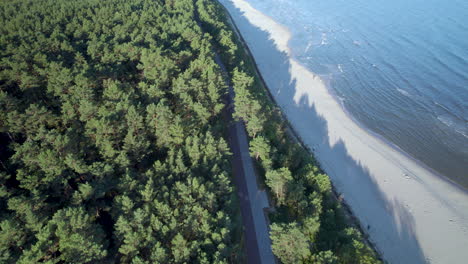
{"type": "Point", "coordinates": [252, 200]}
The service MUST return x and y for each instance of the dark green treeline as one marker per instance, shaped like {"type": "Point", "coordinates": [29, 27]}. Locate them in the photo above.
{"type": "Point", "coordinates": [111, 136]}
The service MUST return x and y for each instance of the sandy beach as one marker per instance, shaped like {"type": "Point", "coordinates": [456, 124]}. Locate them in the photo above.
{"type": "Point", "coordinates": [411, 214]}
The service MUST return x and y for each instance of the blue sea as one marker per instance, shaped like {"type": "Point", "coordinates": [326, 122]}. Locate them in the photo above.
{"type": "Point", "coordinates": [400, 68]}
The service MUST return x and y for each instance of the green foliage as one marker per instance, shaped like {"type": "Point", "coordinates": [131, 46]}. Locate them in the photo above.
{"type": "Point", "coordinates": [261, 149]}
{"type": "Point", "coordinates": [71, 236]}
{"type": "Point", "coordinates": [246, 107]}
{"type": "Point", "coordinates": [289, 244]}
{"type": "Point", "coordinates": [278, 180]}
{"type": "Point", "coordinates": [110, 142]}
{"type": "Point", "coordinates": [324, 257]}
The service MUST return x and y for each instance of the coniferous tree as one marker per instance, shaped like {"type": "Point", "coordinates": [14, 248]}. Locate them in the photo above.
{"type": "Point", "coordinates": [278, 181]}
{"type": "Point", "coordinates": [97, 100]}
{"type": "Point", "coordinates": [289, 244]}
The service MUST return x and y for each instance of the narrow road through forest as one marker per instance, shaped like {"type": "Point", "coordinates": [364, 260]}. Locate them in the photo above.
{"type": "Point", "coordinates": [252, 200]}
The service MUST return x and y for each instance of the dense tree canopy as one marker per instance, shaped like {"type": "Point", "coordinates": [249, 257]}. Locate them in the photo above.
{"type": "Point", "coordinates": [112, 141]}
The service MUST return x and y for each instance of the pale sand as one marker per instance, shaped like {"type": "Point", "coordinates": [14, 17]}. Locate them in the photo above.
{"type": "Point", "coordinates": [410, 214]}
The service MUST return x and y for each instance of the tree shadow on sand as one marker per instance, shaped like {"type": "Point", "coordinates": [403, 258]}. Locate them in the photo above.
{"type": "Point", "coordinates": [389, 223]}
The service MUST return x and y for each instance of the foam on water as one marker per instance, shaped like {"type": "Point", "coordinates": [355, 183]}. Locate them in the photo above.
{"type": "Point", "coordinates": [459, 126]}
{"type": "Point", "coordinates": [403, 92]}
{"type": "Point", "coordinates": [391, 61]}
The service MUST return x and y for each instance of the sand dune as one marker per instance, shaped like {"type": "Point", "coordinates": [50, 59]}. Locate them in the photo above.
{"type": "Point", "coordinates": [411, 214]}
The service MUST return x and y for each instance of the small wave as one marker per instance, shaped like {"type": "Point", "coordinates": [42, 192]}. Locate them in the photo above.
{"type": "Point", "coordinates": [341, 100]}
{"type": "Point", "coordinates": [451, 122]}
{"type": "Point", "coordinates": [340, 68]}
{"type": "Point", "coordinates": [308, 47]}
{"type": "Point", "coordinates": [442, 106]}
{"type": "Point", "coordinates": [404, 92]}
{"type": "Point", "coordinates": [324, 39]}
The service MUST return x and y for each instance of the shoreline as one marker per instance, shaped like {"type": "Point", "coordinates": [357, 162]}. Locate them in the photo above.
{"type": "Point", "coordinates": [354, 221]}
{"type": "Point", "coordinates": [392, 145]}
{"type": "Point", "coordinates": [391, 157]}
{"type": "Point", "coordinates": [383, 140]}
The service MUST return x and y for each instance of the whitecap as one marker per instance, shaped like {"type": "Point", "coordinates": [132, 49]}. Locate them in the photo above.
{"type": "Point", "coordinates": [403, 92]}
{"type": "Point", "coordinates": [340, 68]}
{"type": "Point", "coordinates": [308, 47]}
{"type": "Point", "coordinates": [324, 39]}
{"type": "Point", "coordinates": [458, 126]}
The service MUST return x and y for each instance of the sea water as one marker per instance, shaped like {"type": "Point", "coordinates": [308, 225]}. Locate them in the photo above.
{"type": "Point", "coordinates": [400, 68]}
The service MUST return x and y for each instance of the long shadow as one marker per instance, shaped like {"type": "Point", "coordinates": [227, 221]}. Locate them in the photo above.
{"type": "Point", "coordinates": [387, 221]}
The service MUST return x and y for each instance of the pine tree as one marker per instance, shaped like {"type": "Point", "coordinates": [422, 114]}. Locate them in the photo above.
{"type": "Point", "coordinates": [289, 244]}
{"type": "Point", "coordinates": [277, 180]}
{"type": "Point", "coordinates": [259, 148]}
{"type": "Point", "coordinates": [70, 236]}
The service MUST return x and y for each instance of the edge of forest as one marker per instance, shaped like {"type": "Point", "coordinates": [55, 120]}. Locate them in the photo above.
{"type": "Point", "coordinates": [293, 136]}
